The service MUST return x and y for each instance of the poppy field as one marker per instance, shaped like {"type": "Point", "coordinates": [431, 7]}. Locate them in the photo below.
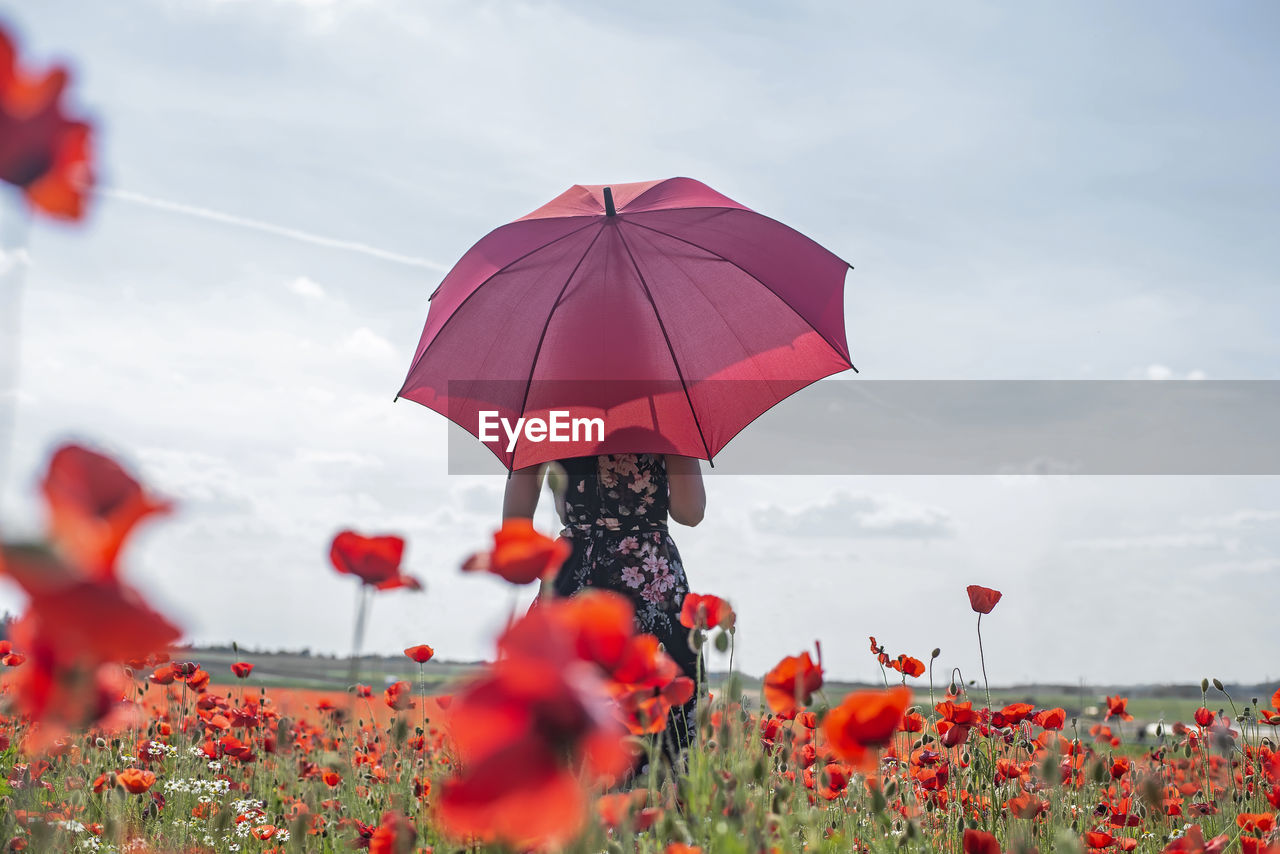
{"type": "Point", "coordinates": [112, 741]}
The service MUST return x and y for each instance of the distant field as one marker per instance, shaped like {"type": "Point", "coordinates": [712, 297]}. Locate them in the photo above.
{"type": "Point", "coordinates": [1148, 704]}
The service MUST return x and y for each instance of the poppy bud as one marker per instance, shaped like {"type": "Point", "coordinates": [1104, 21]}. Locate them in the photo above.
{"type": "Point", "coordinates": [1218, 684]}
{"type": "Point", "coordinates": [758, 771]}
{"type": "Point", "coordinates": [722, 642]}
{"type": "Point", "coordinates": [877, 801]}
{"type": "Point", "coordinates": [936, 652]}
{"type": "Point", "coordinates": [1204, 685]}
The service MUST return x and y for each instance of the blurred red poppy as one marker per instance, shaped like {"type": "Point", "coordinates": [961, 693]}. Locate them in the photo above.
{"type": "Point", "coordinates": [420, 653]}
{"type": "Point", "coordinates": [791, 683]}
{"type": "Point", "coordinates": [42, 152]}
{"type": "Point", "coordinates": [1193, 842]}
{"type": "Point", "coordinates": [374, 560]}
{"type": "Point", "coordinates": [93, 506]}
{"type": "Point", "coordinates": [520, 554]}
{"type": "Point", "coordinates": [982, 599]}
{"type": "Point", "coordinates": [242, 669]}
{"type": "Point", "coordinates": [135, 780]}
{"type": "Point", "coordinates": [394, 835]}
{"type": "Point", "coordinates": [399, 696]}
{"type": "Point", "coordinates": [539, 723]}
{"type": "Point", "coordinates": [1117, 707]}
{"type": "Point", "coordinates": [863, 722]}
{"type": "Point", "coordinates": [706, 612]}
{"type": "Point", "coordinates": [979, 842]}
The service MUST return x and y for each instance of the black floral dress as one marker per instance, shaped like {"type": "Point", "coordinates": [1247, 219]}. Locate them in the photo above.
{"type": "Point", "coordinates": [615, 515]}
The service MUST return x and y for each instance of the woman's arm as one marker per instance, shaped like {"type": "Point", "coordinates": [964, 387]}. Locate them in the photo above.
{"type": "Point", "coordinates": [521, 497]}
{"type": "Point", "coordinates": [688, 498]}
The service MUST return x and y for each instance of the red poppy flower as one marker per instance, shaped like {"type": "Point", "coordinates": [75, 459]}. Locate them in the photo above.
{"type": "Point", "coordinates": [1050, 718]}
{"type": "Point", "coordinates": [863, 722]}
{"type": "Point", "coordinates": [1026, 806]}
{"type": "Point", "coordinates": [72, 629]}
{"type": "Point", "coordinates": [520, 554]}
{"type": "Point", "coordinates": [706, 612]}
{"type": "Point", "coordinates": [93, 504]}
{"type": "Point", "coordinates": [1015, 713]}
{"type": "Point", "coordinates": [538, 723]}
{"type": "Point", "coordinates": [242, 669]}
{"type": "Point", "coordinates": [1262, 823]}
{"type": "Point", "coordinates": [907, 665]}
{"type": "Point", "coordinates": [41, 151]}
{"type": "Point", "coordinates": [1098, 839]}
{"type": "Point", "coordinates": [1203, 716]}
{"type": "Point", "coordinates": [13, 659]}
{"type": "Point", "coordinates": [614, 809]}
{"type": "Point", "coordinates": [1193, 842]}
{"type": "Point", "coordinates": [1117, 707]}
{"type": "Point", "coordinates": [374, 560]}
{"type": "Point", "coordinates": [979, 842]}
{"type": "Point", "coordinates": [791, 683]}
{"type": "Point", "coordinates": [135, 780]}
{"type": "Point", "coordinates": [395, 835]}
{"type": "Point", "coordinates": [399, 696]}
{"type": "Point", "coordinates": [331, 778]}
{"type": "Point", "coordinates": [982, 599]}
{"type": "Point", "coordinates": [420, 653]}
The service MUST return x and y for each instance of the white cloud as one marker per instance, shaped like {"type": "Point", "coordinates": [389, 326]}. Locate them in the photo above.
{"type": "Point", "coordinates": [309, 288]}
{"type": "Point", "coordinates": [1164, 372]}
{"type": "Point", "coordinates": [846, 515]}
{"type": "Point", "coordinates": [1151, 541]}
{"type": "Point", "coordinates": [364, 343]}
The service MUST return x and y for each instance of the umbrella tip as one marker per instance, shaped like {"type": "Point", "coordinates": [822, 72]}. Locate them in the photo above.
{"type": "Point", "coordinates": [609, 209]}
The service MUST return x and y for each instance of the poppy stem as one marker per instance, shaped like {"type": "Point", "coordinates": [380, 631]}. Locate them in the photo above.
{"type": "Point", "coordinates": [983, 659]}
{"type": "Point", "coordinates": [362, 601]}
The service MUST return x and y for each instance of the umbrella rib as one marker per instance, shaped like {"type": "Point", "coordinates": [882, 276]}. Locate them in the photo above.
{"type": "Point", "coordinates": [674, 361]}
{"type": "Point", "coordinates": [476, 290]}
{"type": "Point", "coordinates": [753, 277]}
{"type": "Point", "coordinates": [533, 366]}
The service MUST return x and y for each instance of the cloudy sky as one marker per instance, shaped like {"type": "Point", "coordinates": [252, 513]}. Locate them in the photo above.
{"type": "Point", "coordinates": [1027, 191]}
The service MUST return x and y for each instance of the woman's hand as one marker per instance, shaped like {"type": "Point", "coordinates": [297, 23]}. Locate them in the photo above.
{"type": "Point", "coordinates": [687, 496]}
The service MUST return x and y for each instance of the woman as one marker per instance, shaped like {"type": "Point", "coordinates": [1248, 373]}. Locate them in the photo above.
{"type": "Point", "coordinates": [614, 509]}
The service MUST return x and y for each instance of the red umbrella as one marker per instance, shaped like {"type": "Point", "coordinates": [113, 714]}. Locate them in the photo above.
{"type": "Point", "coordinates": [668, 311]}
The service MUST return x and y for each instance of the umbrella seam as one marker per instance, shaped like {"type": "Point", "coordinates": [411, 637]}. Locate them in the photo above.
{"type": "Point", "coordinates": [533, 366]}
{"type": "Point", "coordinates": [756, 279]}
{"type": "Point", "coordinates": [674, 361]}
{"type": "Point", "coordinates": [474, 291]}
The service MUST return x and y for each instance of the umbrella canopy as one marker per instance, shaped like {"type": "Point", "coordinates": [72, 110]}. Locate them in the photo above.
{"type": "Point", "coordinates": [670, 312]}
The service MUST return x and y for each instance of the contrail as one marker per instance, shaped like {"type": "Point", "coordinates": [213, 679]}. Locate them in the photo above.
{"type": "Point", "coordinates": [269, 228]}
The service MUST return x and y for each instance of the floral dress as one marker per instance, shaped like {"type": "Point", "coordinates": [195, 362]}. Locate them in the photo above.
{"type": "Point", "coordinates": [615, 515]}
